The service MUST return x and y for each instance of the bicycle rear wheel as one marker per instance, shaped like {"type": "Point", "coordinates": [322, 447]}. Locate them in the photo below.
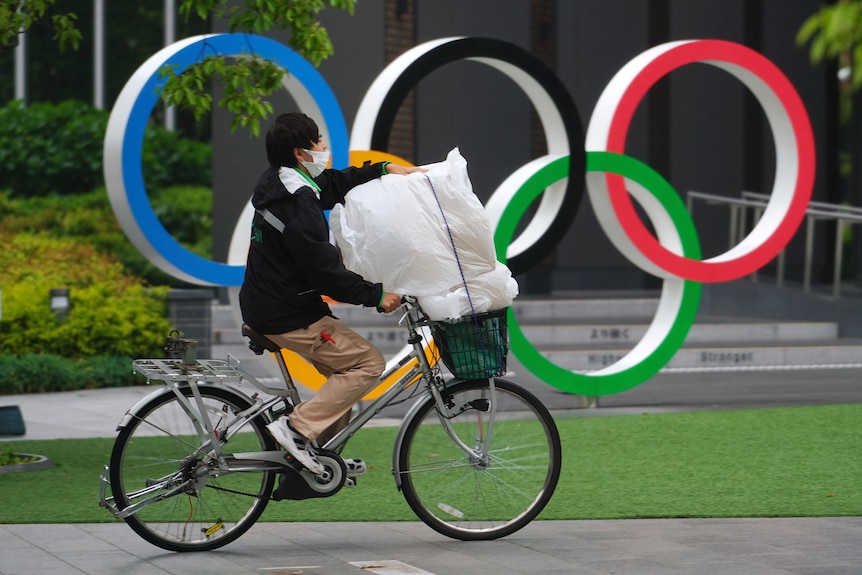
{"type": "Point", "coordinates": [490, 496]}
{"type": "Point", "coordinates": [161, 443]}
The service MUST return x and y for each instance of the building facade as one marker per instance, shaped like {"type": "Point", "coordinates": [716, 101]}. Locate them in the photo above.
{"type": "Point", "coordinates": [699, 127]}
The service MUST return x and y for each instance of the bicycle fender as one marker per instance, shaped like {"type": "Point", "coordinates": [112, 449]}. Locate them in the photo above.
{"type": "Point", "coordinates": [130, 413]}
{"type": "Point", "coordinates": [402, 429]}
{"type": "Point", "coordinates": [399, 438]}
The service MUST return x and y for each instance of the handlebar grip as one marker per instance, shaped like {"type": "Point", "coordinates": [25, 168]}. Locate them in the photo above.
{"type": "Point", "coordinates": [404, 300]}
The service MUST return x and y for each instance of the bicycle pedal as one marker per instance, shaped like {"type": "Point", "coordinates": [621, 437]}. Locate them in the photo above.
{"type": "Point", "coordinates": [355, 467]}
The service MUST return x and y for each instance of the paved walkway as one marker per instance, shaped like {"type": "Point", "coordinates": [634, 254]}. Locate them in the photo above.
{"type": "Point", "coordinates": [818, 546]}
{"type": "Point", "coordinates": [630, 547]}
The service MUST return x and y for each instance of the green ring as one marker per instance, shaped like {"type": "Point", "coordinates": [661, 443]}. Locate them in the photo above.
{"type": "Point", "coordinates": [626, 378]}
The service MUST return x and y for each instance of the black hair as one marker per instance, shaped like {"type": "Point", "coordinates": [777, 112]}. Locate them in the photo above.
{"type": "Point", "coordinates": [288, 132]}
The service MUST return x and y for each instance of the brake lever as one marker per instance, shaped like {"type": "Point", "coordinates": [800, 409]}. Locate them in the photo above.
{"type": "Point", "coordinates": [407, 306]}
{"type": "Point", "coordinates": [403, 317]}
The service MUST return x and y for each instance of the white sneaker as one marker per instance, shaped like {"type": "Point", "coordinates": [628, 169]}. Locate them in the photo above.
{"type": "Point", "coordinates": [355, 467]}
{"type": "Point", "coordinates": [298, 446]}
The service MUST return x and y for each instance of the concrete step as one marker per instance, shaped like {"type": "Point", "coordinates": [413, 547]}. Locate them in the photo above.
{"type": "Point", "coordinates": [527, 310]}
{"type": "Point", "coordinates": [705, 331]}
{"type": "Point", "coordinates": [586, 334]}
{"type": "Point", "coordinates": [597, 336]}
{"type": "Point", "coordinates": [690, 358]}
{"type": "Point", "coordinates": [698, 357]}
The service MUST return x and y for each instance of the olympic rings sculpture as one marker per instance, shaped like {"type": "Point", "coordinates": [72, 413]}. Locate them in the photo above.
{"type": "Point", "coordinates": [612, 178]}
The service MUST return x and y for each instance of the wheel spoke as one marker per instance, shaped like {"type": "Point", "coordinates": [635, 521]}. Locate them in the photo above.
{"type": "Point", "coordinates": [486, 497]}
{"type": "Point", "coordinates": [160, 450]}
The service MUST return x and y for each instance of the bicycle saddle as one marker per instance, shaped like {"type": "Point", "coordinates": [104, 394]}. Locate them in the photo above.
{"type": "Point", "coordinates": [258, 343]}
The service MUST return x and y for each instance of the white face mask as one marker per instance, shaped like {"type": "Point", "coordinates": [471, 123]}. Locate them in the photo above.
{"type": "Point", "coordinates": [318, 163]}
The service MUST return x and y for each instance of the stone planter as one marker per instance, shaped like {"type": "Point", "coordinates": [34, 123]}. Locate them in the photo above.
{"type": "Point", "coordinates": [41, 462]}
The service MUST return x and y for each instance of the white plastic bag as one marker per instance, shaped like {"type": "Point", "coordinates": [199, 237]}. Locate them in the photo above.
{"type": "Point", "coordinates": [400, 231]}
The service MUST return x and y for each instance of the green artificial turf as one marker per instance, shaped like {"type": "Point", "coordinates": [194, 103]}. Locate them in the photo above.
{"type": "Point", "coordinates": [801, 462]}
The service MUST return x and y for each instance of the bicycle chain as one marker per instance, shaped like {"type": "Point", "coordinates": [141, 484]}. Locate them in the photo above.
{"type": "Point", "coordinates": [234, 491]}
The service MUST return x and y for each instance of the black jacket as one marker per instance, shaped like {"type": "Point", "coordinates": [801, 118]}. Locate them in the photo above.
{"type": "Point", "coordinates": [288, 272]}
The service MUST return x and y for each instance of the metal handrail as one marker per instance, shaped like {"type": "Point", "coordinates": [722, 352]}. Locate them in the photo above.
{"type": "Point", "coordinates": [816, 211]}
{"type": "Point", "coordinates": [737, 208]}
{"type": "Point", "coordinates": [738, 215]}
{"type": "Point", "coordinates": [812, 204]}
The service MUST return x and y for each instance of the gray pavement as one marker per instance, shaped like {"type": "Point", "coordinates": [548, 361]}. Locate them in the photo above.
{"type": "Point", "coordinates": [780, 546]}
{"type": "Point", "coordinates": [628, 547]}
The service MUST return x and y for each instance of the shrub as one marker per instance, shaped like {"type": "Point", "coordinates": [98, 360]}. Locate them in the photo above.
{"type": "Point", "coordinates": [46, 147]}
{"type": "Point", "coordinates": [57, 148]}
{"type": "Point", "coordinates": [32, 373]}
{"type": "Point", "coordinates": [186, 212]}
{"type": "Point", "coordinates": [42, 373]}
{"type": "Point", "coordinates": [112, 313]}
{"type": "Point", "coordinates": [107, 371]}
{"type": "Point", "coordinates": [169, 160]}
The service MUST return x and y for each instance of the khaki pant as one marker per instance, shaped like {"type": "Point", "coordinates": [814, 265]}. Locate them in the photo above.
{"type": "Point", "coordinates": [351, 366]}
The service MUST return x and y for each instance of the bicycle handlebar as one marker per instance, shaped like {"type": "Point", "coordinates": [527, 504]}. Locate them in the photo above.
{"type": "Point", "coordinates": [405, 299]}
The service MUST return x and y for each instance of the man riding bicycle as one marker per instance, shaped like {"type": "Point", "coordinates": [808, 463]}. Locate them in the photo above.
{"type": "Point", "coordinates": [292, 264]}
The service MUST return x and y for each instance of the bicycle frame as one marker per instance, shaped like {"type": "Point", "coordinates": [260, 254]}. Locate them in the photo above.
{"type": "Point", "coordinates": [179, 374]}
{"type": "Point", "coordinates": [434, 385]}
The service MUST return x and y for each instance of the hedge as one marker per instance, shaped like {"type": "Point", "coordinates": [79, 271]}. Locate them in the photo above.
{"type": "Point", "coordinates": [185, 211]}
{"type": "Point", "coordinates": [42, 373]}
{"type": "Point", "coordinates": [50, 148]}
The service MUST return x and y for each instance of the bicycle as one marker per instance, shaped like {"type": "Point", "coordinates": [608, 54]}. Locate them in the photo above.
{"type": "Point", "coordinates": [476, 457]}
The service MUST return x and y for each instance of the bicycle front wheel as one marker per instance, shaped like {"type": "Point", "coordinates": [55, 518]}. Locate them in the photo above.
{"type": "Point", "coordinates": [158, 451]}
{"type": "Point", "coordinates": [500, 488]}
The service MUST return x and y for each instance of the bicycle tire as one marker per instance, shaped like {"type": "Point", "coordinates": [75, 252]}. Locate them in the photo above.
{"type": "Point", "coordinates": [472, 500]}
{"type": "Point", "coordinates": [155, 443]}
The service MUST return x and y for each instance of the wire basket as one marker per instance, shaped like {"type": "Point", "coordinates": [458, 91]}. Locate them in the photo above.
{"type": "Point", "coordinates": [474, 346]}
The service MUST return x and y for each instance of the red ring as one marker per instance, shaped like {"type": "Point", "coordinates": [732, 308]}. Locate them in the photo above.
{"type": "Point", "coordinates": [706, 51]}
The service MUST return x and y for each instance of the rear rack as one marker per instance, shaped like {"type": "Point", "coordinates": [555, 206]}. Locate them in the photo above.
{"type": "Point", "coordinates": [210, 370]}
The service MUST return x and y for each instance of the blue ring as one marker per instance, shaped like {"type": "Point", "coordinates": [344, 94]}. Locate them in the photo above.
{"type": "Point", "coordinates": [204, 270]}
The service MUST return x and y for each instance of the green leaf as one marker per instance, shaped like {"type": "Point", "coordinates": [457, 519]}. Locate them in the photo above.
{"type": "Point", "coordinates": [248, 80]}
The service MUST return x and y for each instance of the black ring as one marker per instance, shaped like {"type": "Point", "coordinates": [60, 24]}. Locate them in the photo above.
{"type": "Point", "coordinates": [465, 48]}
